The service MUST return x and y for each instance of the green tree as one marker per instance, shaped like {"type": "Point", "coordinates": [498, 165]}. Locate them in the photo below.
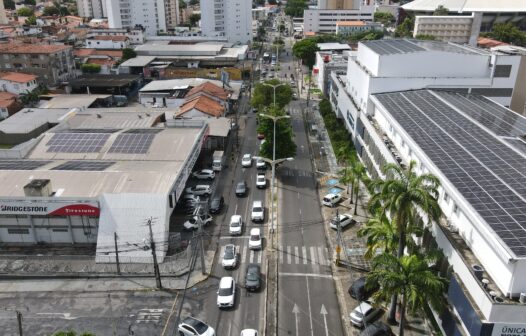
{"type": "Point", "coordinates": [128, 53]}
{"type": "Point", "coordinates": [384, 18]}
{"type": "Point", "coordinates": [50, 11]}
{"type": "Point", "coordinates": [9, 4]}
{"type": "Point", "coordinates": [306, 51]}
{"type": "Point", "coordinates": [182, 4]}
{"type": "Point", "coordinates": [399, 196]}
{"type": "Point", "coordinates": [405, 29]}
{"type": "Point", "coordinates": [30, 2]}
{"type": "Point", "coordinates": [194, 19]}
{"type": "Point", "coordinates": [411, 278]}
{"type": "Point", "coordinates": [263, 95]}
{"type": "Point", "coordinates": [509, 33]}
{"type": "Point", "coordinates": [90, 68]}
{"type": "Point", "coordinates": [31, 21]}
{"type": "Point", "coordinates": [194, 2]}
{"type": "Point", "coordinates": [285, 145]}
{"type": "Point", "coordinates": [441, 11]}
{"type": "Point", "coordinates": [281, 28]}
{"type": "Point", "coordinates": [24, 11]}
{"type": "Point", "coordinates": [295, 8]}
{"type": "Point", "coordinates": [380, 235]}
{"type": "Point", "coordinates": [359, 174]}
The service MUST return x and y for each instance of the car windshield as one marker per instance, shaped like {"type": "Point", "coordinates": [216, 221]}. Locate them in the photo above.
{"type": "Point", "coordinates": [234, 224]}
{"type": "Point", "coordinates": [252, 275]}
{"type": "Point", "coordinates": [358, 313]}
{"type": "Point", "coordinates": [241, 185]}
{"type": "Point", "coordinates": [225, 291]}
{"type": "Point", "coordinates": [199, 326]}
{"type": "Point", "coordinates": [254, 237]}
{"type": "Point", "coordinates": [257, 209]}
{"type": "Point", "coordinates": [215, 202]}
{"type": "Point", "coordinates": [229, 253]}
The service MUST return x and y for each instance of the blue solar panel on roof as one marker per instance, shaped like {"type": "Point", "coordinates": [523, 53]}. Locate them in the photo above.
{"type": "Point", "coordinates": [77, 142]}
{"type": "Point", "coordinates": [21, 164]}
{"type": "Point", "coordinates": [84, 165]}
{"type": "Point", "coordinates": [393, 46]}
{"type": "Point", "coordinates": [132, 143]}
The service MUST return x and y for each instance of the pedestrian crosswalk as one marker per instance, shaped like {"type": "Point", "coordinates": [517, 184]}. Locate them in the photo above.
{"type": "Point", "coordinates": [291, 255]}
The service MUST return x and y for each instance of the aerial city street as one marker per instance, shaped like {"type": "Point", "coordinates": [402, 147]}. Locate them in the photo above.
{"type": "Point", "coordinates": [262, 168]}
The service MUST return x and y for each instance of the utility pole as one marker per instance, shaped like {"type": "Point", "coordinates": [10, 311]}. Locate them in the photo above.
{"type": "Point", "coordinates": [19, 319]}
{"type": "Point", "coordinates": [308, 90]}
{"type": "Point", "coordinates": [339, 242]}
{"type": "Point", "coordinates": [200, 233]}
{"type": "Point", "coordinates": [154, 255]}
{"type": "Point", "coordinates": [116, 253]}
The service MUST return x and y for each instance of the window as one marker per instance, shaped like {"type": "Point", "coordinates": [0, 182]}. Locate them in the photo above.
{"type": "Point", "coordinates": [502, 70]}
{"type": "Point", "coordinates": [60, 230]}
{"type": "Point", "coordinates": [446, 197]}
{"type": "Point", "coordinates": [18, 231]}
{"type": "Point", "coordinates": [455, 209]}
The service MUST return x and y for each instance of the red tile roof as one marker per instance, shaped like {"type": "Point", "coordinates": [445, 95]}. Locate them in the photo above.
{"type": "Point", "coordinates": [351, 23]}
{"type": "Point", "coordinates": [6, 99]}
{"type": "Point", "coordinates": [485, 42]}
{"type": "Point", "coordinates": [83, 52]}
{"type": "Point", "coordinates": [203, 104]}
{"type": "Point", "coordinates": [101, 61]}
{"type": "Point", "coordinates": [23, 48]}
{"type": "Point", "coordinates": [17, 77]}
{"type": "Point", "coordinates": [209, 88]}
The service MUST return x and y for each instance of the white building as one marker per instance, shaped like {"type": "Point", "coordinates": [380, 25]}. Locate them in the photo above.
{"type": "Point", "coordinates": [324, 20]}
{"type": "Point", "coordinates": [135, 36]}
{"type": "Point", "coordinates": [95, 9]}
{"type": "Point", "coordinates": [108, 42]}
{"type": "Point", "coordinates": [231, 19]}
{"type": "Point", "coordinates": [149, 14]}
{"type": "Point", "coordinates": [477, 150]}
{"type": "Point", "coordinates": [331, 57]}
{"type": "Point", "coordinates": [460, 29]}
{"type": "Point", "coordinates": [17, 83]}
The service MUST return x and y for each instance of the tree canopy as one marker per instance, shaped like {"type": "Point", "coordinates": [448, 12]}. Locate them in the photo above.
{"type": "Point", "coordinates": [405, 29]}
{"type": "Point", "coordinates": [263, 95]}
{"type": "Point", "coordinates": [306, 51]}
{"type": "Point", "coordinates": [24, 11]}
{"type": "Point", "coordinates": [194, 19]}
{"type": "Point", "coordinates": [296, 7]}
{"type": "Point", "coordinates": [441, 11]}
{"type": "Point", "coordinates": [128, 53]}
{"type": "Point", "coordinates": [50, 11]}
{"type": "Point", "coordinates": [509, 33]}
{"type": "Point", "coordinates": [90, 68]}
{"type": "Point", "coordinates": [9, 4]}
{"type": "Point", "coordinates": [285, 145]}
{"type": "Point", "coordinates": [31, 20]}
{"type": "Point", "coordinates": [384, 18]}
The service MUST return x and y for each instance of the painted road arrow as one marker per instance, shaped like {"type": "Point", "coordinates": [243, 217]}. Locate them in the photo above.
{"type": "Point", "coordinates": [296, 311]}
{"type": "Point", "coordinates": [324, 313]}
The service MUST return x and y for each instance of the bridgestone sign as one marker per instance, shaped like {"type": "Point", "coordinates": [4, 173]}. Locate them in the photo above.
{"type": "Point", "coordinates": [49, 208]}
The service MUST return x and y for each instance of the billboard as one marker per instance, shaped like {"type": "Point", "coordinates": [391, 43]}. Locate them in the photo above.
{"type": "Point", "coordinates": [47, 208]}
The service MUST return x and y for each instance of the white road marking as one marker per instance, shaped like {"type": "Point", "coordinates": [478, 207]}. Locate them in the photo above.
{"type": "Point", "coordinates": [251, 259]}
{"type": "Point", "coordinates": [310, 275]}
{"type": "Point", "coordinates": [304, 253]}
{"type": "Point", "coordinates": [328, 256]}
{"type": "Point", "coordinates": [243, 255]}
{"type": "Point", "coordinates": [324, 313]}
{"type": "Point", "coordinates": [234, 237]}
{"type": "Point", "coordinates": [281, 254]}
{"type": "Point", "coordinates": [297, 254]}
{"type": "Point", "coordinates": [323, 260]}
{"type": "Point", "coordinates": [310, 310]}
{"type": "Point", "coordinates": [312, 255]}
{"type": "Point", "coordinates": [260, 255]}
{"type": "Point", "coordinates": [289, 255]}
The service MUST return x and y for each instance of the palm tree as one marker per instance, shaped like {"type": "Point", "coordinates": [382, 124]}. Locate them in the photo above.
{"type": "Point", "coordinates": [345, 177]}
{"type": "Point", "coordinates": [410, 277]}
{"type": "Point", "coordinates": [403, 194]}
{"type": "Point", "coordinates": [359, 173]}
{"type": "Point", "coordinates": [381, 235]}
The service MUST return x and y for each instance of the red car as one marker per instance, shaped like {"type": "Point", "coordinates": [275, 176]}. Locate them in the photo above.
{"type": "Point", "coordinates": [261, 136]}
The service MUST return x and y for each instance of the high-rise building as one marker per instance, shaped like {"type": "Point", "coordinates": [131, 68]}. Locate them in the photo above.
{"type": "Point", "coordinates": [172, 13]}
{"type": "Point", "coordinates": [231, 19]}
{"type": "Point", "coordinates": [339, 4]}
{"type": "Point", "coordinates": [92, 8]}
{"type": "Point", "coordinates": [150, 14]}
{"type": "Point", "coordinates": [3, 17]}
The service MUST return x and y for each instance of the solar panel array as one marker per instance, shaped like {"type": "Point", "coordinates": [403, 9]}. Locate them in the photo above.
{"type": "Point", "coordinates": [518, 144]}
{"type": "Point", "coordinates": [490, 176]}
{"type": "Point", "coordinates": [134, 141]}
{"type": "Point", "coordinates": [88, 130]}
{"type": "Point", "coordinates": [21, 164]}
{"type": "Point", "coordinates": [389, 47]}
{"type": "Point", "coordinates": [84, 165]}
{"type": "Point", "coordinates": [77, 142]}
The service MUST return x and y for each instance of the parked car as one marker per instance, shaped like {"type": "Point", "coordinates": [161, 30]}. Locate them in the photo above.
{"type": "Point", "coordinates": [253, 277]}
{"type": "Point", "coordinates": [261, 181]}
{"type": "Point", "coordinates": [364, 313]}
{"type": "Point", "coordinates": [258, 211]}
{"type": "Point", "coordinates": [359, 291]}
{"type": "Point", "coordinates": [216, 204]}
{"type": "Point", "coordinates": [199, 190]}
{"type": "Point", "coordinates": [377, 328]}
{"type": "Point", "coordinates": [249, 332]}
{"type": "Point", "coordinates": [192, 222]}
{"type": "Point", "coordinates": [331, 200]}
{"type": "Point", "coordinates": [246, 161]}
{"type": "Point", "coordinates": [226, 294]}
{"type": "Point", "coordinates": [345, 220]}
{"type": "Point", "coordinates": [241, 188]}
{"type": "Point", "coordinates": [260, 164]}
{"type": "Point", "coordinates": [204, 174]}
{"type": "Point", "coordinates": [255, 241]}
{"type": "Point", "coordinates": [193, 327]}
{"type": "Point", "coordinates": [236, 225]}
{"type": "Point", "coordinates": [261, 136]}
{"type": "Point", "coordinates": [229, 260]}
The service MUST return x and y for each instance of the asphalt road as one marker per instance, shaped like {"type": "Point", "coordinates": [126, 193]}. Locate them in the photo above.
{"type": "Point", "coordinates": [306, 293]}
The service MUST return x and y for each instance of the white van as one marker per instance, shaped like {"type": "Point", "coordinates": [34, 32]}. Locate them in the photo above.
{"type": "Point", "coordinates": [331, 200]}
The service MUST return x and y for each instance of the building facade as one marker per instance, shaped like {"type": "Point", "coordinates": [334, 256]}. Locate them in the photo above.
{"type": "Point", "coordinates": [52, 63]}
{"type": "Point", "coordinates": [95, 9]}
{"type": "Point", "coordinates": [172, 13]}
{"type": "Point", "coordinates": [353, 27]}
{"type": "Point", "coordinates": [148, 14]}
{"type": "Point", "coordinates": [324, 20]}
{"type": "Point", "coordinates": [108, 42]}
{"type": "Point", "coordinates": [457, 29]}
{"type": "Point", "coordinates": [17, 83]}
{"type": "Point", "coordinates": [135, 36]}
{"type": "Point", "coordinates": [231, 19]}
{"type": "Point", "coordinates": [339, 4]}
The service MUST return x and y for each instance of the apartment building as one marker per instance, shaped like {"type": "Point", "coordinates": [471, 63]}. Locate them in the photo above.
{"type": "Point", "coordinates": [172, 13]}
{"type": "Point", "coordinates": [17, 83]}
{"type": "Point", "coordinates": [458, 29]}
{"type": "Point", "coordinates": [231, 19]}
{"type": "Point", "coordinates": [134, 35]}
{"type": "Point", "coordinates": [52, 63]}
{"type": "Point", "coordinates": [149, 14]}
{"type": "Point", "coordinates": [95, 9]}
{"type": "Point", "coordinates": [339, 4]}
{"type": "Point", "coordinates": [108, 42]}
{"type": "Point", "coordinates": [325, 20]}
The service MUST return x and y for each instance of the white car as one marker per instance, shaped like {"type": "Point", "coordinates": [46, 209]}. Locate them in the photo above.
{"type": "Point", "coordinates": [236, 225]}
{"type": "Point", "coordinates": [345, 219]}
{"type": "Point", "coordinates": [261, 181]}
{"type": "Point", "coordinates": [260, 164]}
{"type": "Point", "coordinates": [258, 212]}
{"type": "Point", "coordinates": [249, 332]}
{"type": "Point", "coordinates": [229, 257]}
{"type": "Point", "coordinates": [331, 200]}
{"type": "Point", "coordinates": [364, 313]}
{"type": "Point", "coordinates": [255, 241]}
{"type": "Point", "coordinates": [226, 294]}
{"type": "Point", "coordinates": [246, 161]}
{"type": "Point", "coordinates": [204, 174]}
{"type": "Point", "coordinates": [191, 223]}
{"type": "Point", "coordinates": [199, 190]}
{"type": "Point", "coordinates": [193, 327]}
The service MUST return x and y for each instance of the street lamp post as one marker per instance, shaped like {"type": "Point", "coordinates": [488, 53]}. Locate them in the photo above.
{"type": "Point", "coordinates": [274, 87]}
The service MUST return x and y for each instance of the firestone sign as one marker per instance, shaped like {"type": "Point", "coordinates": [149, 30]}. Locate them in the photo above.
{"type": "Point", "coordinates": [49, 209]}
{"type": "Point", "coordinates": [501, 329]}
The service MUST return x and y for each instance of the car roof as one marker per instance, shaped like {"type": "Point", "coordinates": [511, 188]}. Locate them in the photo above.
{"type": "Point", "coordinates": [247, 155]}
{"type": "Point", "coordinates": [241, 183]}
{"type": "Point", "coordinates": [192, 321]}
{"type": "Point", "coordinates": [235, 218]}
{"type": "Point", "coordinates": [226, 282]}
{"type": "Point", "coordinates": [249, 332]}
{"type": "Point", "coordinates": [202, 186]}
{"type": "Point", "coordinates": [255, 231]}
{"type": "Point", "coordinates": [206, 170]}
{"type": "Point", "coordinates": [228, 246]}
{"type": "Point", "coordinates": [257, 203]}
{"type": "Point", "coordinates": [364, 306]}
{"type": "Point", "coordinates": [331, 195]}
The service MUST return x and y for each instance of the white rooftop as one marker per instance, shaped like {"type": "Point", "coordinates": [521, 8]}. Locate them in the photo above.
{"type": "Point", "coordinates": [333, 46]}
{"type": "Point", "coordinates": [29, 119]}
{"type": "Point", "coordinates": [460, 6]}
{"type": "Point", "coordinates": [72, 100]}
{"type": "Point", "coordinates": [138, 61]}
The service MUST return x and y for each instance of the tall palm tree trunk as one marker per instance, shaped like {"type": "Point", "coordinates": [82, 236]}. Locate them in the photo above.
{"type": "Point", "coordinates": [356, 200]}
{"type": "Point", "coordinates": [399, 254]}
{"type": "Point", "coordinates": [352, 188]}
{"type": "Point", "coordinates": [402, 315]}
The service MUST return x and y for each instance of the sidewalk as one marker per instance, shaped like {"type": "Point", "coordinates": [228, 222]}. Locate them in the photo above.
{"type": "Point", "coordinates": [354, 247]}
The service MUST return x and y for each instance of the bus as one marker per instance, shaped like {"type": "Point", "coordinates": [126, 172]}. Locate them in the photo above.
{"type": "Point", "coordinates": [273, 62]}
{"type": "Point", "coordinates": [266, 57]}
